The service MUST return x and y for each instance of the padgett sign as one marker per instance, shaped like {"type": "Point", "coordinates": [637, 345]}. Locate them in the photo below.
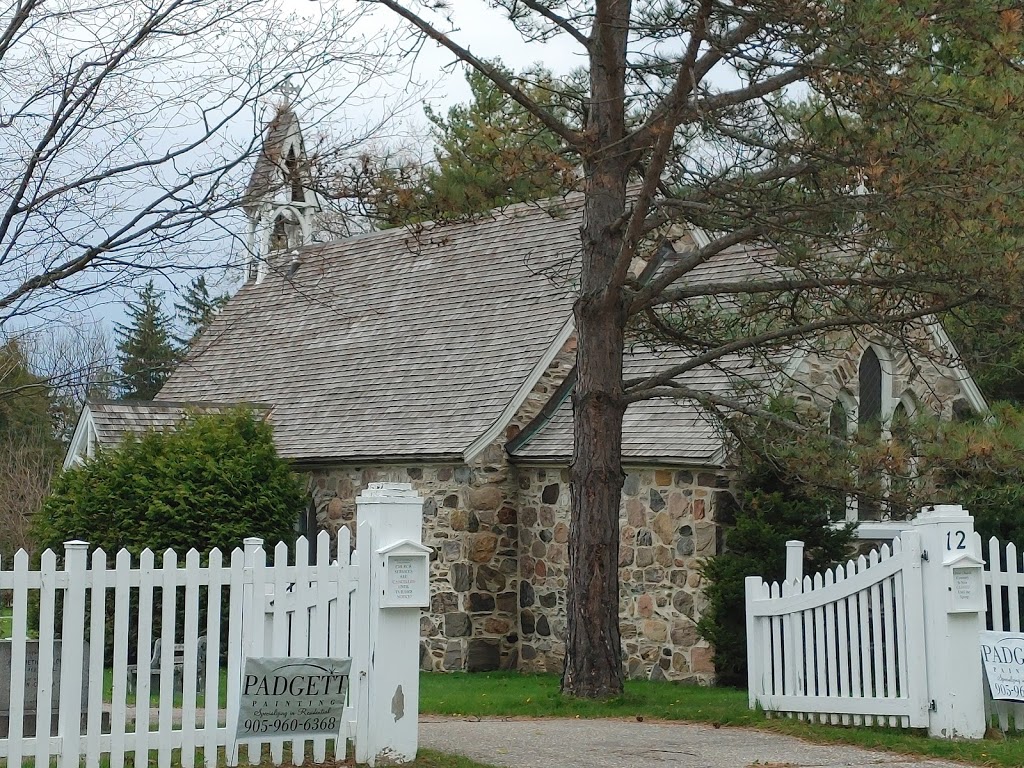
{"type": "Point", "coordinates": [1002, 654]}
{"type": "Point", "coordinates": [294, 697]}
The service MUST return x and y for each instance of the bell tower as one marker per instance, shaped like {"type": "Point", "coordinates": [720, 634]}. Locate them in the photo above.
{"type": "Point", "coordinates": [279, 201]}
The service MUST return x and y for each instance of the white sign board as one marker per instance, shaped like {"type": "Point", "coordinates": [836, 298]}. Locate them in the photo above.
{"type": "Point", "coordinates": [1002, 654]}
{"type": "Point", "coordinates": [292, 697]}
{"type": "Point", "coordinates": [406, 575]}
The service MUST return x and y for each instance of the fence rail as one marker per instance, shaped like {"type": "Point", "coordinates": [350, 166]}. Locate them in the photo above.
{"type": "Point", "coordinates": [91, 621]}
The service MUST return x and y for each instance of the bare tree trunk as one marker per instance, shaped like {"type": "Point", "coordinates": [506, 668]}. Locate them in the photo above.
{"type": "Point", "coordinates": [593, 662]}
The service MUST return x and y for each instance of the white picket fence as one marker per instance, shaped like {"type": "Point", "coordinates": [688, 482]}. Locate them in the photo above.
{"type": "Point", "coordinates": [285, 608]}
{"type": "Point", "coordinates": [843, 646]}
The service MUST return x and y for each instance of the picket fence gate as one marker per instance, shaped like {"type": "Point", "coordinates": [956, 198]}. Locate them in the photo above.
{"type": "Point", "coordinates": [285, 608]}
{"type": "Point", "coordinates": [891, 639]}
{"type": "Point", "coordinates": [843, 646]}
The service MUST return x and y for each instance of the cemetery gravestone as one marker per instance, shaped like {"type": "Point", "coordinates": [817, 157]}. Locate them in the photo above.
{"type": "Point", "coordinates": [31, 687]}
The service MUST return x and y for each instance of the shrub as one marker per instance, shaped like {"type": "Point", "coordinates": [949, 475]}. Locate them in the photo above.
{"type": "Point", "coordinates": [767, 513]}
{"type": "Point", "coordinates": [210, 483]}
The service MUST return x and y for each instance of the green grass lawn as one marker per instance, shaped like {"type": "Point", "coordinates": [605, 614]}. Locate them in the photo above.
{"type": "Point", "coordinates": [509, 694]}
{"type": "Point", "coordinates": [154, 699]}
{"type": "Point", "coordinates": [6, 623]}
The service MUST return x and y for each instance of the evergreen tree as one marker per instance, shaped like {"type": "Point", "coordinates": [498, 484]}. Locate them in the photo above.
{"type": "Point", "coordinates": [197, 309]}
{"type": "Point", "coordinates": [874, 146]}
{"type": "Point", "coordinates": [24, 396]}
{"type": "Point", "coordinates": [489, 152]}
{"type": "Point", "coordinates": [146, 350]}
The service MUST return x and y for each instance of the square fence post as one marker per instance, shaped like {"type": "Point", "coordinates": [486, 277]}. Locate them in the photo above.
{"type": "Point", "coordinates": [954, 615]}
{"type": "Point", "coordinates": [392, 515]}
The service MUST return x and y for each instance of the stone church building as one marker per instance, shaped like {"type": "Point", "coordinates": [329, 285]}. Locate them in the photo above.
{"type": "Point", "coordinates": [443, 356]}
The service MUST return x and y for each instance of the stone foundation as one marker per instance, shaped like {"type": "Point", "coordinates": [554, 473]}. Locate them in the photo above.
{"type": "Point", "coordinates": [667, 528]}
{"type": "Point", "coordinates": [500, 535]}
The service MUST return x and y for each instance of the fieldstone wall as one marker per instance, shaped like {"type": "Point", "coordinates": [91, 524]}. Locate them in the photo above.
{"type": "Point", "coordinates": [470, 524]}
{"type": "Point", "coordinates": [470, 520]}
{"type": "Point", "coordinates": [668, 526]}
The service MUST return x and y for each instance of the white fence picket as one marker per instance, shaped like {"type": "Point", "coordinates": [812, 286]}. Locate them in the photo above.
{"type": "Point", "coordinates": [19, 636]}
{"type": "Point", "coordinates": [168, 616]}
{"type": "Point", "coordinates": [283, 583]}
{"type": "Point", "coordinates": [97, 635]}
{"type": "Point", "coordinates": [119, 703]}
{"type": "Point", "coordinates": [190, 660]}
{"type": "Point", "coordinates": [235, 651]}
{"type": "Point", "coordinates": [44, 690]}
{"type": "Point", "coordinates": [72, 655]}
{"type": "Point", "coordinates": [211, 687]}
{"type": "Point", "coordinates": [318, 628]}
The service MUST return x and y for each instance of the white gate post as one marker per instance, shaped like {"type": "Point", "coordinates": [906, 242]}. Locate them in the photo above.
{"type": "Point", "coordinates": [954, 607]}
{"type": "Point", "coordinates": [392, 515]}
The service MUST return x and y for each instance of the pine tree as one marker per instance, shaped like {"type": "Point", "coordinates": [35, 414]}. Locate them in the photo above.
{"type": "Point", "coordinates": [197, 309]}
{"type": "Point", "coordinates": [489, 152]}
{"type": "Point", "coordinates": [146, 350]}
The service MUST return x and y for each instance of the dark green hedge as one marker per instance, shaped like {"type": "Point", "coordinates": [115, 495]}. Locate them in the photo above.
{"type": "Point", "coordinates": [210, 483]}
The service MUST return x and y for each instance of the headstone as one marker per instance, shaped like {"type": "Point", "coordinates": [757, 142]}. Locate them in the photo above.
{"type": "Point", "coordinates": [32, 686]}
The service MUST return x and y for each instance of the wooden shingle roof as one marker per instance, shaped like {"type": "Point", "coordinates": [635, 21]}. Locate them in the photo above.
{"type": "Point", "coordinates": [653, 431]}
{"type": "Point", "coordinates": [402, 343]}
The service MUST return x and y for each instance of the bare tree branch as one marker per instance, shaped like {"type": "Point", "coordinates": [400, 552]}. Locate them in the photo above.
{"type": "Point", "coordinates": [570, 136]}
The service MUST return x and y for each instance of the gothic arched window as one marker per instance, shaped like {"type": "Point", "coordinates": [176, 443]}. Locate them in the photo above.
{"type": "Point", "coordinates": [869, 412]}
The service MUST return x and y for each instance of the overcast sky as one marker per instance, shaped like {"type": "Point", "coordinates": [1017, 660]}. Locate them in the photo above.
{"type": "Point", "coordinates": [436, 79]}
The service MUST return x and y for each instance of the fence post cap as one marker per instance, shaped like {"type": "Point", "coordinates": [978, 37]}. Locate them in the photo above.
{"type": "Point", "coordinates": [76, 544]}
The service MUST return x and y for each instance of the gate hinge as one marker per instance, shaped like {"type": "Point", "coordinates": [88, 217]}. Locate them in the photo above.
{"type": "Point", "coordinates": [924, 554]}
{"type": "Point", "coordinates": [932, 706]}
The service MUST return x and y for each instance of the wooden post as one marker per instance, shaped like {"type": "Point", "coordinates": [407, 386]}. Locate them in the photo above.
{"type": "Point", "coordinates": [392, 515]}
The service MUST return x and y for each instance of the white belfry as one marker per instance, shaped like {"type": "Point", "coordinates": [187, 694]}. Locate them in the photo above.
{"type": "Point", "coordinates": [279, 201]}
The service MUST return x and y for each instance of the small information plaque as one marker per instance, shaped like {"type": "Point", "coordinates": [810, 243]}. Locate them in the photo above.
{"type": "Point", "coordinates": [405, 579]}
{"type": "Point", "coordinates": [964, 584]}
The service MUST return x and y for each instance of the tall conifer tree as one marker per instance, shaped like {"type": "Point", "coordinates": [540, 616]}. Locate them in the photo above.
{"type": "Point", "coordinates": [197, 309]}
{"type": "Point", "coordinates": [146, 350]}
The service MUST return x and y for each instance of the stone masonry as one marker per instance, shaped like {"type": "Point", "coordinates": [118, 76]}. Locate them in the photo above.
{"type": "Point", "coordinates": [498, 568]}
{"type": "Point", "coordinates": [667, 527]}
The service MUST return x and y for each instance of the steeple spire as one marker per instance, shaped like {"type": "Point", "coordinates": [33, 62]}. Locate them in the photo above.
{"type": "Point", "coordinates": [279, 200]}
